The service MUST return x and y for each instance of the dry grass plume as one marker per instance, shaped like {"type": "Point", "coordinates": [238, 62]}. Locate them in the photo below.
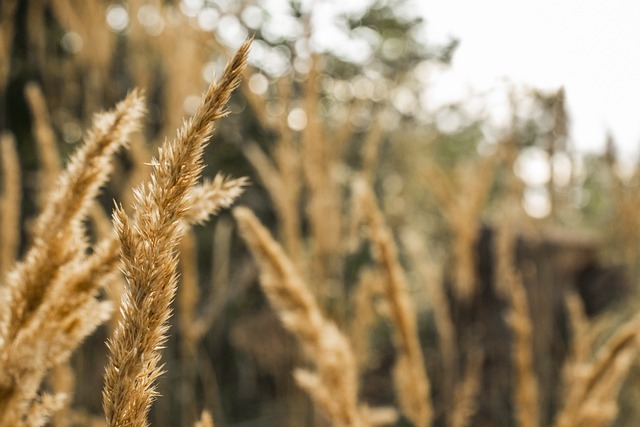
{"type": "Point", "coordinates": [51, 294]}
{"type": "Point", "coordinates": [334, 384]}
{"type": "Point", "coordinates": [148, 252]}
{"type": "Point", "coordinates": [412, 384]}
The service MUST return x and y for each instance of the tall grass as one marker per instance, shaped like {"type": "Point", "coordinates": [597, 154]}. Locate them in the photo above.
{"type": "Point", "coordinates": [52, 295]}
{"type": "Point", "coordinates": [397, 326]}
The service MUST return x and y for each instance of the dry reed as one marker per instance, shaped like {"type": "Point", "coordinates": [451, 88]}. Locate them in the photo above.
{"type": "Point", "coordinates": [322, 151]}
{"type": "Point", "coordinates": [63, 381]}
{"type": "Point", "coordinates": [148, 245]}
{"type": "Point", "coordinates": [8, 11]}
{"type": "Point", "coordinates": [462, 198]}
{"type": "Point", "coordinates": [52, 301]}
{"type": "Point", "coordinates": [206, 420]}
{"type": "Point", "coordinates": [430, 275]}
{"type": "Point", "coordinates": [334, 384]}
{"type": "Point", "coordinates": [411, 381]}
{"type": "Point", "coordinates": [309, 165]}
{"type": "Point", "coordinates": [40, 411]}
{"type": "Point", "coordinates": [509, 286]}
{"type": "Point", "coordinates": [369, 285]}
{"type": "Point", "coordinates": [282, 176]}
{"type": "Point", "coordinates": [10, 204]}
{"type": "Point", "coordinates": [591, 385]}
{"type": "Point", "coordinates": [51, 293]}
{"type": "Point", "coordinates": [526, 399]}
{"type": "Point", "coordinates": [284, 189]}
{"type": "Point", "coordinates": [210, 197]}
{"type": "Point", "coordinates": [465, 401]}
{"type": "Point", "coordinates": [371, 151]}
{"type": "Point", "coordinates": [622, 232]}
{"type": "Point", "coordinates": [45, 140]}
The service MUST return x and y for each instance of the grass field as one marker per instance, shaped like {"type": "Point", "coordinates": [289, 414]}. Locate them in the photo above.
{"type": "Point", "coordinates": [278, 255]}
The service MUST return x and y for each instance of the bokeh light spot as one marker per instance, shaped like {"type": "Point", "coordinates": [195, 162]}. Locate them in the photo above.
{"type": "Point", "coordinates": [117, 18]}
{"type": "Point", "coordinates": [297, 119]}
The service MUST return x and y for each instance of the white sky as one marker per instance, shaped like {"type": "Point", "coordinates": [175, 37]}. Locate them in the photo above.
{"type": "Point", "coordinates": [591, 47]}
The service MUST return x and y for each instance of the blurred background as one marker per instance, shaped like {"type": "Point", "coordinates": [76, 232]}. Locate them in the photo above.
{"type": "Point", "coordinates": [461, 115]}
{"type": "Point", "coordinates": [585, 47]}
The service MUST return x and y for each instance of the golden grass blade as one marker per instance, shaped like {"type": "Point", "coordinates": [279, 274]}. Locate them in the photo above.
{"type": "Point", "coordinates": [266, 170]}
{"type": "Point", "coordinates": [206, 420]}
{"type": "Point", "coordinates": [10, 205]}
{"type": "Point", "coordinates": [88, 169]}
{"type": "Point", "coordinates": [411, 381]}
{"type": "Point", "coordinates": [381, 416]}
{"type": "Point", "coordinates": [60, 223]}
{"type": "Point", "coordinates": [369, 284]}
{"type": "Point", "coordinates": [63, 381]}
{"type": "Point", "coordinates": [371, 151]}
{"type": "Point", "coordinates": [45, 139]}
{"type": "Point", "coordinates": [42, 325]}
{"type": "Point", "coordinates": [430, 275]}
{"type": "Point", "coordinates": [526, 399]}
{"type": "Point", "coordinates": [40, 412]}
{"type": "Point", "coordinates": [465, 402]}
{"type": "Point", "coordinates": [334, 383]}
{"type": "Point", "coordinates": [581, 337]}
{"type": "Point", "coordinates": [205, 199]}
{"type": "Point", "coordinates": [8, 10]}
{"type": "Point", "coordinates": [462, 198]}
{"type": "Point", "coordinates": [320, 158]}
{"type": "Point", "coordinates": [148, 246]}
{"type": "Point", "coordinates": [283, 185]}
{"type": "Point", "coordinates": [592, 386]}
{"type": "Point", "coordinates": [210, 197]}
